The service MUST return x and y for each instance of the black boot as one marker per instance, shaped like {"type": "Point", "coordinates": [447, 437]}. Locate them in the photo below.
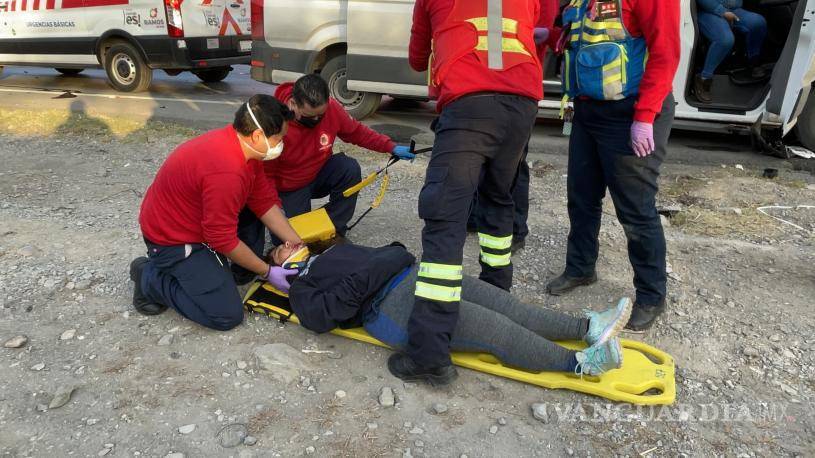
{"type": "Point", "coordinates": [517, 245]}
{"type": "Point", "coordinates": [756, 70]}
{"type": "Point", "coordinates": [142, 304]}
{"type": "Point", "coordinates": [644, 316]}
{"type": "Point", "coordinates": [563, 284]}
{"type": "Point", "coordinates": [403, 367]}
{"type": "Point", "coordinates": [701, 87]}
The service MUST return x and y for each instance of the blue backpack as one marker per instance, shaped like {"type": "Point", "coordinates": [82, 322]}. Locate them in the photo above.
{"type": "Point", "coordinates": [601, 60]}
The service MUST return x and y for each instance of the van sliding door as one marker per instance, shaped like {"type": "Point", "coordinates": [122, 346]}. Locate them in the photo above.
{"type": "Point", "coordinates": [378, 38]}
{"type": "Point", "coordinates": [795, 70]}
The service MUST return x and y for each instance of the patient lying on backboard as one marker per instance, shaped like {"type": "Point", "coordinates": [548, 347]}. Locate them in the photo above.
{"type": "Point", "coordinates": [349, 286]}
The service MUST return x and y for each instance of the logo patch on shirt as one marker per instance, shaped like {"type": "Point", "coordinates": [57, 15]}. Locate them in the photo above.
{"type": "Point", "coordinates": [324, 140]}
{"type": "Point", "coordinates": [607, 10]}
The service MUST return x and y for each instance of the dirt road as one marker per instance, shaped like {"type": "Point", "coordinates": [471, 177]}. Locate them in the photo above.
{"type": "Point", "coordinates": [741, 325]}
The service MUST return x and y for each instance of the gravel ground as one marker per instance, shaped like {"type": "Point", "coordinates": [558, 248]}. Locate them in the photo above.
{"type": "Point", "coordinates": [96, 379]}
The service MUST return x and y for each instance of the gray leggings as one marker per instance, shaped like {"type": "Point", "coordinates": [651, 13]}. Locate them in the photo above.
{"type": "Point", "coordinates": [491, 321]}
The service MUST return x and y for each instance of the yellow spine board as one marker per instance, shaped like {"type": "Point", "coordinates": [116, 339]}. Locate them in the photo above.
{"type": "Point", "coordinates": [647, 377]}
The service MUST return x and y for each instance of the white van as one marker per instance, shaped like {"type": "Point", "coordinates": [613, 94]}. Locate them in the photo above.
{"type": "Point", "coordinates": [360, 48]}
{"type": "Point", "coordinates": [128, 38]}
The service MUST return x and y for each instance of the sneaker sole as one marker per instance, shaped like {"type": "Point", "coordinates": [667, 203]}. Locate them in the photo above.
{"type": "Point", "coordinates": [624, 308]}
{"type": "Point", "coordinates": [619, 349]}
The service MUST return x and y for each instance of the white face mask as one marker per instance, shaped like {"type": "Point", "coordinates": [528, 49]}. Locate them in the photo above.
{"type": "Point", "coordinates": [271, 152]}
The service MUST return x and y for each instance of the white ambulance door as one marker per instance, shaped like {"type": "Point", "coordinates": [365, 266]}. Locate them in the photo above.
{"type": "Point", "coordinates": [5, 20]}
{"type": "Point", "coordinates": [49, 32]}
{"type": "Point", "coordinates": [378, 39]}
{"type": "Point", "coordinates": [215, 18]}
{"type": "Point", "coordinates": [795, 70]}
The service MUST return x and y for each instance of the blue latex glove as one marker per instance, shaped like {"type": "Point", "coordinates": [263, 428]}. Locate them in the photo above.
{"type": "Point", "coordinates": [403, 152]}
{"type": "Point", "coordinates": [277, 277]}
{"type": "Point", "coordinates": [540, 35]}
{"type": "Point", "coordinates": [642, 138]}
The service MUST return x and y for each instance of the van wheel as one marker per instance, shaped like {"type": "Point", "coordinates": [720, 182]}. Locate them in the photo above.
{"type": "Point", "coordinates": [805, 129]}
{"type": "Point", "coordinates": [126, 69]}
{"type": "Point", "coordinates": [69, 71]}
{"type": "Point", "coordinates": [212, 75]}
{"type": "Point", "coordinates": [358, 104]}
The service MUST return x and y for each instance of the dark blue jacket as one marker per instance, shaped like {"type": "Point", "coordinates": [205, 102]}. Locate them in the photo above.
{"type": "Point", "coordinates": [337, 288]}
{"type": "Point", "coordinates": [719, 7]}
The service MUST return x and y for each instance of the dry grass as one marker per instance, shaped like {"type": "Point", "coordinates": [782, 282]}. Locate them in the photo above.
{"type": "Point", "coordinates": [262, 420]}
{"type": "Point", "coordinates": [716, 223]}
{"type": "Point", "coordinates": [81, 123]}
{"type": "Point", "coordinates": [724, 203]}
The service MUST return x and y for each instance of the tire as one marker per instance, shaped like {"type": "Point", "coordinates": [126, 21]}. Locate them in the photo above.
{"type": "Point", "coordinates": [126, 69]}
{"type": "Point", "coordinates": [358, 104]}
{"type": "Point", "coordinates": [805, 129]}
{"type": "Point", "coordinates": [213, 75]}
{"type": "Point", "coordinates": [69, 71]}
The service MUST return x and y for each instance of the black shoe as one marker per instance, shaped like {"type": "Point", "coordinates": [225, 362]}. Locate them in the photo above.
{"type": "Point", "coordinates": [517, 245]}
{"type": "Point", "coordinates": [644, 316]}
{"type": "Point", "coordinates": [758, 73]}
{"type": "Point", "coordinates": [403, 367]}
{"type": "Point", "coordinates": [140, 301]}
{"type": "Point", "coordinates": [701, 87]}
{"type": "Point", "coordinates": [563, 284]}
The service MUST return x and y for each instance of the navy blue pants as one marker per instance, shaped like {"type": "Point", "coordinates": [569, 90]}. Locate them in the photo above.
{"type": "Point", "coordinates": [520, 196]}
{"type": "Point", "coordinates": [194, 281]}
{"type": "Point", "coordinates": [600, 158]}
{"type": "Point", "coordinates": [339, 173]}
{"type": "Point", "coordinates": [479, 143]}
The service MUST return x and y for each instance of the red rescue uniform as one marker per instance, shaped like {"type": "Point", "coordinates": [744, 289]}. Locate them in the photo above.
{"type": "Point", "coordinates": [467, 74]}
{"type": "Point", "coordinates": [199, 191]}
{"type": "Point", "coordinates": [307, 149]}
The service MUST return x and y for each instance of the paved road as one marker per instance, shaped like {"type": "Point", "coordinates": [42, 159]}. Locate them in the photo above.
{"type": "Point", "coordinates": [187, 100]}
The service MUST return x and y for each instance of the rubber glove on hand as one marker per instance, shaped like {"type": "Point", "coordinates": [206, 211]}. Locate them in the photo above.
{"type": "Point", "coordinates": [642, 138]}
{"type": "Point", "coordinates": [540, 35]}
{"type": "Point", "coordinates": [403, 152]}
{"type": "Point", "coordinates": [277, 277]}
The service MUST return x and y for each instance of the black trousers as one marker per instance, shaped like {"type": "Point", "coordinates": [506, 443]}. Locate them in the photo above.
{"type": "Point", "coordinates": [475, 135]}
{"type": "Point", "coordinates": [520, 196]}
{"type": "Point", "coordinates": [600, 158]}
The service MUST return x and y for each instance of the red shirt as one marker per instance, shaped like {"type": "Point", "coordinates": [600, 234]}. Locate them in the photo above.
{"type": "Point", "coordinates": [306, 149]}
{"type": "Point", "coordinates": [658, 22]}
{"type": "Point", "coordinates": [467, 75]}
{"type": "Point", "coordinates": [199, 191]}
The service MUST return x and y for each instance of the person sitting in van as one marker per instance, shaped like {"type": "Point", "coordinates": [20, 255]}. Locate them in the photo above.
{"type": "Point", "coordinates": [308, 168]}
{"type": "Point", "coordinates": [351, 285]}
{"type": "Point", "coordinates": [718, 19]}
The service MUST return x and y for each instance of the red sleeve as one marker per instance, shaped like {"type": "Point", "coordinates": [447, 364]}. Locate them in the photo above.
{"type": "Point", "coordinates": [222, 201]}
{"type": "Point", "coordinates": [263, 195]}
{"type": "Point", "coordinates": [549, 10]}
{"type": "Point", "coordinates": [356, 133]}
{"type": "Point", "coordinates": [420, 38]}
{"type": "Point", "coordinates": [659, 22]}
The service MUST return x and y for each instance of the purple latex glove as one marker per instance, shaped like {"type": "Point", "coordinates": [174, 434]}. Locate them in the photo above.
{"type": "Point", "coordinates": [540, 35]}
{"type": "Point", "coordinates": [642, 138]}
{"type": "Point", "coordinates": [277, 277]}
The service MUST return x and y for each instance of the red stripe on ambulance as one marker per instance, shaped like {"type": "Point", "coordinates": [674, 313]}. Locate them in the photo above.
{"type": "Point", "coordinates": [226, 21]}
{"type": "Point", "coordinates": [92, 3]}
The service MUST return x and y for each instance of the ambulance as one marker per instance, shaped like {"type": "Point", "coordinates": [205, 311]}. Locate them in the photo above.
{"type": "Point", "coordinates": [127, 38]}
{"type": "Point", "coordinates": [360, 48]}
